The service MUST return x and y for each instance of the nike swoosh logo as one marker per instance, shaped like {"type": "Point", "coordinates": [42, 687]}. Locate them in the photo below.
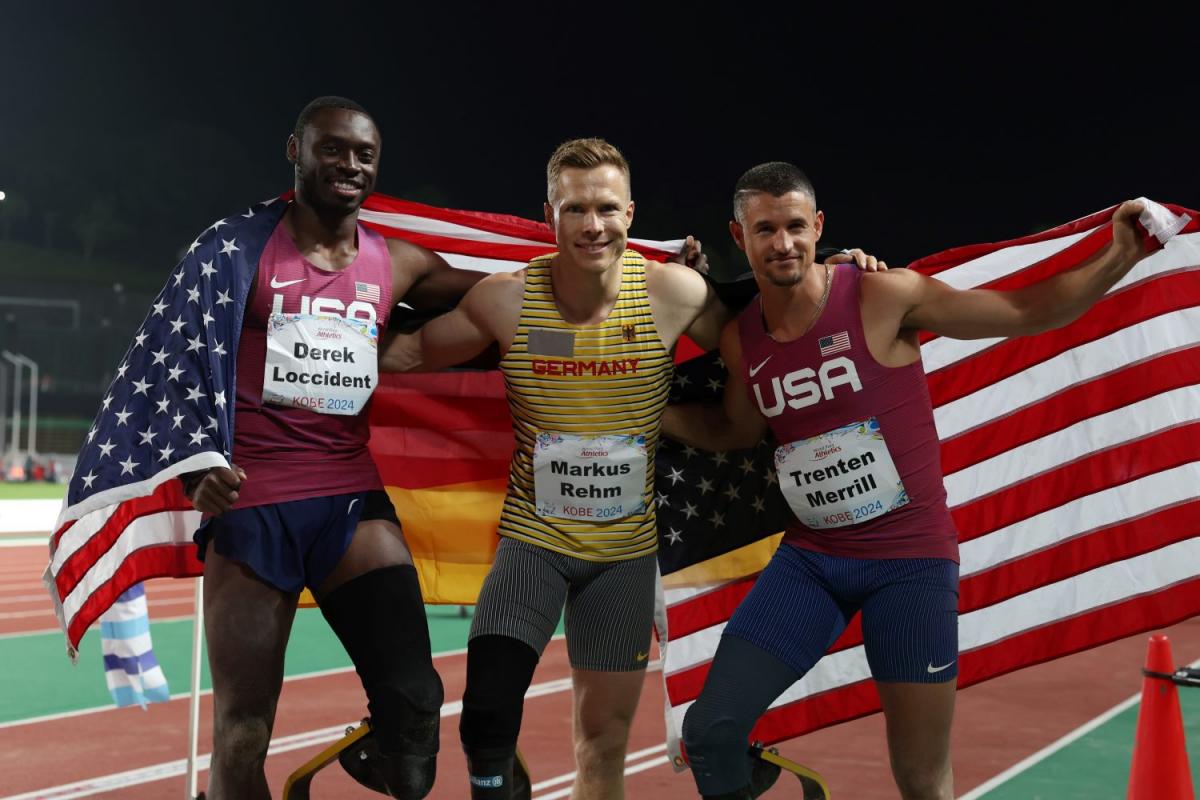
{"type": "Point", "coordinates": [642, 656]}
{"type": "Point", "coordinates": [930, 668]}
{"type": "Point", "coordinates": [754, 370]}
{"type": "Point", "coordinates": [350, 507]}
{"type": "Point", "coordinates": [278, 284]}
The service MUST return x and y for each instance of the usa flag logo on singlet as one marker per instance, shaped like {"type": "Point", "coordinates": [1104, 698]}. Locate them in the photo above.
{"type": "Point", "coordinates": [834, 344]}
{"type": "Point", "coordinates": [368, 292]}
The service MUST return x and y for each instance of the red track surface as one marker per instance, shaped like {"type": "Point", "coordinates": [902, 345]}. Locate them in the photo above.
{"type": "Point", "coordinates": [997, 723]}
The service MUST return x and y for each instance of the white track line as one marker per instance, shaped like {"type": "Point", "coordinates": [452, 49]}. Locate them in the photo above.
{"type": "Point", "coordinates": [59, 632]}
{"type": "Point", "coordinates": [1052, 748]}
{"type": "Point", "coordinates": [630, 769]}
{"type": "Point", "coordinates": [297, 741]}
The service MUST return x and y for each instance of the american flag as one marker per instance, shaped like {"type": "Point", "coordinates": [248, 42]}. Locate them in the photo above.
{"type": "Point", "coordinates": [834, 344]}
{"type": "Point", "coordinates": [367, 292]}
{"type": "Point", "coordinates": [169, 409]}
{"type": "Point", "coordinates": [1071, 461]}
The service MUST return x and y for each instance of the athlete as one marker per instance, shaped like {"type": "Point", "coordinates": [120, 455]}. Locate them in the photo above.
{"type": "Point", "coordinates": [829, 360]}
{"type": "Point", "coordinates": [305, 506]}
{"type": "Point", "coordinates": [585, 336]}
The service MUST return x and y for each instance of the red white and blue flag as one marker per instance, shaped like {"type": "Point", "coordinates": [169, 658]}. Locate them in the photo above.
{"type": "Point", "coordinates": [1072, 459]}
{"type": "Point", "coordinates": [1071, 463]}
{"type": "Point", "coordinates": [169, 409]}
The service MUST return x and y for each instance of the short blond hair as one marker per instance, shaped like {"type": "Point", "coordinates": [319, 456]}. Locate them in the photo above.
{"type": "Point", "coordinates": [586, 153]}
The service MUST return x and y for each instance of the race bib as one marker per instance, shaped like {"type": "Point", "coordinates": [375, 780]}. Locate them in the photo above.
{"type": "Point", "coordinates": [324, 364]}
{"type": "Point", "coordinates": [589, 479]}
{"type": "Point", "coordinates": [840, 478]}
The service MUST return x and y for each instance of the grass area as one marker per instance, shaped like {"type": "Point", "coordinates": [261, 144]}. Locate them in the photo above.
{"type": "Point", "coordinates": [32, 491]}
{"type": "Point", "coordinates": [1096, 766]}
{"type": "Point", "coordinates": [50, 684]}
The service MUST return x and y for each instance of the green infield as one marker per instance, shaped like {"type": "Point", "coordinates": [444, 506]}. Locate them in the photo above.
{"type": "Point", "coordinates": [32, 491]}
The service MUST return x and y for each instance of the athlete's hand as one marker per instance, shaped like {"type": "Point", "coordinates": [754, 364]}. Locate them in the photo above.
{"type": "Point", "coordinates": [216, 491]}
{"type": "Point", "coordinates": [692, 256]}
{"type": "Point", "coordinates": [1126, 236]}
{"type": "Point", "coordinates": [865, 261]}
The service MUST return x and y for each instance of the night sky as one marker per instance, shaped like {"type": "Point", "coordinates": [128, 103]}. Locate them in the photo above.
{"type": "Point", "coordinates": [919, 133]}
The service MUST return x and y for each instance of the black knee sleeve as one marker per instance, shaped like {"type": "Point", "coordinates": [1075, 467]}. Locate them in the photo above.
{"type": "Point", "coordinates": [499, 670]}
{"type": "Point", "coordinates": [380, 619]}
{"type": "Point", "coordinates": [741, 684]}
{"type": "Point", "coordinates": [716, 747]}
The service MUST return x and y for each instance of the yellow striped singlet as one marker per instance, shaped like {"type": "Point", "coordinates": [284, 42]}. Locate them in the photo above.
{"type": "Point", "coordinates": [613, 379]}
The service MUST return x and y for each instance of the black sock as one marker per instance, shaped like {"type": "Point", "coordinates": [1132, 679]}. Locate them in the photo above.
{"type": "Point", "coordinates": [491, 773]}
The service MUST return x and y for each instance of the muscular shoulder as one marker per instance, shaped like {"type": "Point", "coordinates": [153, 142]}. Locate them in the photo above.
{"type": "Point", "coordinates": [672, 285]}
{"type": "Point", "coordinates": [501, 286]}
{"type": "Point", "coordinates": [499, 293]}
{"type": "Point", "coordinates": [494, 305]}
{"type": "Point", "coordinates": [895, 287]}
{"type": "Point", "coordinates": [410, 260]}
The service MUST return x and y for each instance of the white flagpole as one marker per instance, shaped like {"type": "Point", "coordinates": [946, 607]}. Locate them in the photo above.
{"type": "Point", "coordinates": [194, 703]}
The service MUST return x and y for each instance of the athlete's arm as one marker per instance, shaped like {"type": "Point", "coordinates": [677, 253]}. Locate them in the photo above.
{"type": "Point", "coordinates": [732, 424]}
{"type": "Point", "coordinates": [928, 304]}
{"type": "Point", "coordinates": [682, 301]}
{"type": "Point", "coordinates": [423, 279]}
{"type": "Point", "coordinates": [400, 352]}
{"type": "Point", "coordinates": [488, 313]}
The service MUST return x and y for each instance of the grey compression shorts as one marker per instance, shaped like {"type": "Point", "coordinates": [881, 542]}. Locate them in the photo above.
{"type": "Point", "coordinates": [610, 604]}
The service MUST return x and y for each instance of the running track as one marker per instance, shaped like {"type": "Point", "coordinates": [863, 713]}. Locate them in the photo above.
{"type": "Point", "coordinates": [997, 724]}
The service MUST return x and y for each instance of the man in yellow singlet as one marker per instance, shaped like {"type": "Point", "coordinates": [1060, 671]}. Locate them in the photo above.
{"type": "Point", "coordinates": [585, 336]}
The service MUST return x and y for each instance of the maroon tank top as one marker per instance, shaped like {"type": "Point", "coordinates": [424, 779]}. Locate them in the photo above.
{"type": "Point", "coordinates": [293, 453]}
{"type": "Point", "coordinates": [828, 379]}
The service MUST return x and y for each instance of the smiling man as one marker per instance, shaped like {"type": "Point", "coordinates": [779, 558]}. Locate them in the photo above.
{"type": "Point", "coordinates": [829, 359]}
{"type": "Point", "coordinates": [585, 336]}
{"type": "Point", "coordinates": [305, 505]}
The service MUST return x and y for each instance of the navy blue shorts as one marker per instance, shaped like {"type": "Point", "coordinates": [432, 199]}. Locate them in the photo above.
{"type": "Point", "coordinates": [803, 601]}
{"type": "Point", "coordinates": [294, 544]}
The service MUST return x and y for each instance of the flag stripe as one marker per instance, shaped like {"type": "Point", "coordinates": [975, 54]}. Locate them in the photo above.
{"type": "Point", "coordinates": [1027, 360]}
{"type": "Point", "coordinates": [102, 530]}
{"type": "Point", "coordinates": [1088, 474]}
{"type": "Point", "coordinates": [1110, 507]}
{"type": "Point", "coordinates": [1094, 549]}
{"type": "Point", "coordinates": [1059, 449]}
{"type": "Point", "coordinates": [1137, 381]}
{"type": "Point", "coordinates": [166, 559]}
{"type": "Point", "coordinates": [981, 258]}
{"type": "Point", "coordinates": [940, 352]}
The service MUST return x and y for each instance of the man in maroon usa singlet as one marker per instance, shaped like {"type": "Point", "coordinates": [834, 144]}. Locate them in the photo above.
{"type": "Point", "coordinates": [304, 506]}
{"type": "Point", "coordinates": [829, 360]}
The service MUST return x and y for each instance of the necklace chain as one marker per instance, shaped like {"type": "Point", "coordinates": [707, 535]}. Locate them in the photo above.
{"type": "Point", "coordinates": [816, 312]}
{"type": "Point", "coordinates": [821, 305]}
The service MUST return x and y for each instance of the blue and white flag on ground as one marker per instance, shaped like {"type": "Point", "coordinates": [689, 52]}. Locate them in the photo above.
{"type": "Point", "coordinates": [130, 668]}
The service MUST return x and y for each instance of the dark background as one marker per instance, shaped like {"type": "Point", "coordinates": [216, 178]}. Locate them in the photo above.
{"type": "Point", "coordinates": [127, 127]}
{"type": "Point", "coordinates": [919, 131]}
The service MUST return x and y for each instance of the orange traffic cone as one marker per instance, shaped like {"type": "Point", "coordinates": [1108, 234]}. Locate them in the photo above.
{"type": "Point", "coordinates": [1160, 768]}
